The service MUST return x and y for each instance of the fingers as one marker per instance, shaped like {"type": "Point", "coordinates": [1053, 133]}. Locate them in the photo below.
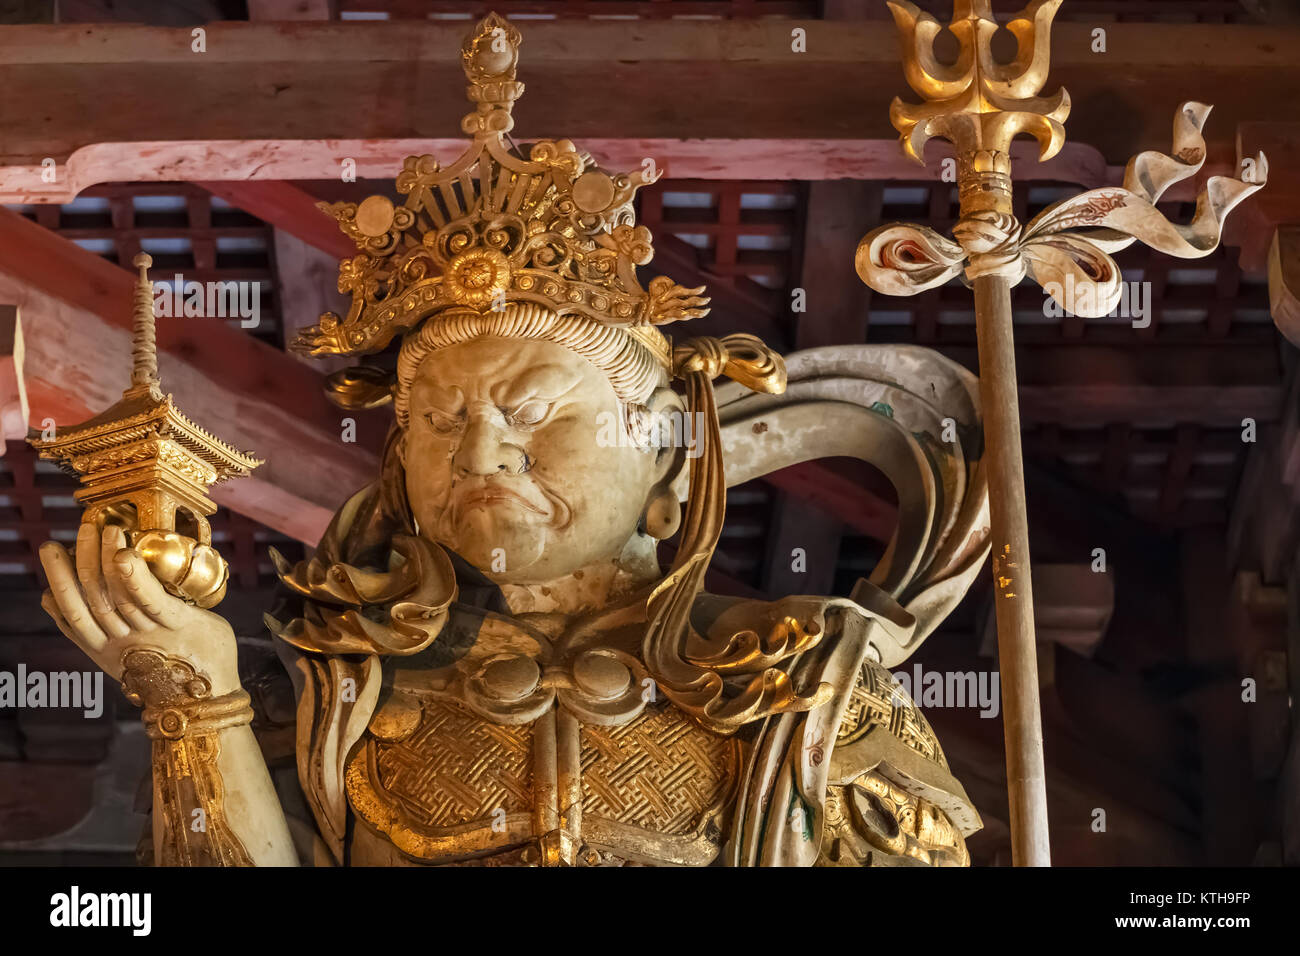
{"type": "Point", "coordinates": [52, 609]}
{"type": "Point", "coordinates": [137, 580]}
{"type": "Point", "coordinates": [66, 595]}
{"type": "Point", "coordinates": [113, 541]}
{"type": "Point", "coordinates": [93, 585]}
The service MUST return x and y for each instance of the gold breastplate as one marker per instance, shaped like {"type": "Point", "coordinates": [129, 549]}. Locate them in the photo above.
{"type": "Point", "coordinates": [514, 760]}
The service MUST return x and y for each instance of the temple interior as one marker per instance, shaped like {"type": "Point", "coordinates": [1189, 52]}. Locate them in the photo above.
{"type": "Point", "coordinates": [1161, 442]}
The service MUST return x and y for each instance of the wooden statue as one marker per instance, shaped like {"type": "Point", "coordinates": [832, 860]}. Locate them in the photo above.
{"type": "Point", "coordinates": [490, 665]}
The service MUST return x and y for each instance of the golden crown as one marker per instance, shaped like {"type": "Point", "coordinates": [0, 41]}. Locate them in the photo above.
{"type": "Point", "coordinates": [493, 227]}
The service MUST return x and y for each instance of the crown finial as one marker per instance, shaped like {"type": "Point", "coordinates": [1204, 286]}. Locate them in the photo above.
{"type": "Point", "coordinates": [489, 56]}
{"type": "Point", "coordinates": [144, 348]}
{"type": "Point", "coordinates": [551, 229]}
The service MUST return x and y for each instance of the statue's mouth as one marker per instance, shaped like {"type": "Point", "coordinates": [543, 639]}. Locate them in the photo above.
{"type": "Point", "coordinates": [490, 496]}
{"type": "Point", "coordinates": [529, 496]}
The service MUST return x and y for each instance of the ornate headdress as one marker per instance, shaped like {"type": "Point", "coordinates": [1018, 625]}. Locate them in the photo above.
{"type": "Point", "coordinates": [543, 247]}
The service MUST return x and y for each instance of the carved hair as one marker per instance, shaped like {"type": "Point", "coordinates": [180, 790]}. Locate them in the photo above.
{"type": "Point", "coordinates": [633, 370]}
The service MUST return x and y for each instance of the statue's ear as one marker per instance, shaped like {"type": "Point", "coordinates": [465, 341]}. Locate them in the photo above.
{"type": "Point", "coordinates": [681, 433]}
{"type": "Point", "coordinates": [667, 412]}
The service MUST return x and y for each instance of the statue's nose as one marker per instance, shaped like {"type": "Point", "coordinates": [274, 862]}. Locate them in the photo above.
{"type": "Point", "coordinates": [487, 450]}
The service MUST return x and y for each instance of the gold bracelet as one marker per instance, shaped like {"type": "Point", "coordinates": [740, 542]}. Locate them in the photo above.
{"type": "Point", "coordinates": [175, 721]}
{"type": "Point", "coordinates": [176, 698]}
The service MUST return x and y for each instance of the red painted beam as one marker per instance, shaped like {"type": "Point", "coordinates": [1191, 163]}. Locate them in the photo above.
{"type": "Point", "coordinates": [850, 502]}
{"type": "Point", "coordinates": [286, 206]}
{"type": "Point", "coordinates": [76, 310]}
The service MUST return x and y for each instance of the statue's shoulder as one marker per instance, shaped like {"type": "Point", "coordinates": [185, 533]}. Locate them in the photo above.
{"type": "Point", "coordinates": [838, 643]}
{"type": "Point", "coordinates": [890, 796]}
{"type": "Point", "coordinates": [879, 704]}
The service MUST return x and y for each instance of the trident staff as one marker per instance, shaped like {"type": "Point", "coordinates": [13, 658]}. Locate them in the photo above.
{"type": "Point", "coordinates": [980, 105]}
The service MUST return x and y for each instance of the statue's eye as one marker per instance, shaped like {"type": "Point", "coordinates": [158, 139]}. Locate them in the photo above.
{"type": "Point", "coordinates": [442, 423]}
{"type": "Point", "coordinates": [530, 413]}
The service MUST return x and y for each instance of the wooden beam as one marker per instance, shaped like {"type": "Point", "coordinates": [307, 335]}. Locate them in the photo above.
{"type": "Point", "coordinates": [855, 506]}
{"type": "Point", "coordinates": [27, 11]}
{"type": "Point", "coordinates": [290, 100]}
{"type": "Point", "coordinates": [1214, 385]}
{"type": "Point", "coordinates": [306, 285]}
{"type": "Point", "coordinates": [316, 159]}
{"type": "Point", "coordinates": [278, 10]}
{"type": "Point", "coordinates": [13, 390]}
{"type": "Point", "coordinates": [838, 214]}
{"type": "Point", "coordinates": [77, 313]}
{"type": "Point", "coordinates": [288, 207]}
{"type": "Point", "coordinates": [188, 14]}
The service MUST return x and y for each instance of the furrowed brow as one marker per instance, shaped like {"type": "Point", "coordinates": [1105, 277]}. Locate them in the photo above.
{"type": "Point", "coordinates": [545, 382]}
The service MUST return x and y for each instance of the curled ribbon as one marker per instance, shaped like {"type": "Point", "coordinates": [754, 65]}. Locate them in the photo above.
{"type": "Point", "coordinates": [1066, 248]}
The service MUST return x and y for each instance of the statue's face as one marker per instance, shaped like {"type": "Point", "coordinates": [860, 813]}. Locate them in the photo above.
{"type": "Point", "coordinates": [516, 459]}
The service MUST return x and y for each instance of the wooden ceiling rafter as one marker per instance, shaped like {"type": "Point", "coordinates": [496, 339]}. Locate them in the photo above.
{"type": "Point", "coordinates": [823, 114]}
{"type": "Point", "coordinates": [77, 318]}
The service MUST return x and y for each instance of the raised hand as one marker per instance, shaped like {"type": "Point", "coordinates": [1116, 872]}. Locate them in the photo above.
{"type": "Point", "coordinates": [106, 600]}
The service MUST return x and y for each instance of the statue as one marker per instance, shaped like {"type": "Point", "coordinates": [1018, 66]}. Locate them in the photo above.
{"type": "Point", "coordinates": [489, 664]}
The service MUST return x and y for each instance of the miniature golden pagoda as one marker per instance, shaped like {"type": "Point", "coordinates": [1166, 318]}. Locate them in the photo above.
{"type": "Point", "coordinates": [143, 464]}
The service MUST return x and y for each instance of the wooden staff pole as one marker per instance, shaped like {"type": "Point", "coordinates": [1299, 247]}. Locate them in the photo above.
{"type": "Point", "coordinates": [980, 105]}
{"type": "Point", "coordinates": [1017, 653]}
{"type": "Point", "coordinates": [980, 108]}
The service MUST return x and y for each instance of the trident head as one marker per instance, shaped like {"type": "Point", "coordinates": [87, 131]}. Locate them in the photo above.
{"type": "Point", "coordinates": [978, 104]}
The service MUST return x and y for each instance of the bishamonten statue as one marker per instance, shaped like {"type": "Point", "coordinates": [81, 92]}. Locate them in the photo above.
{"type": "Point", "coordinates": [489, 663]}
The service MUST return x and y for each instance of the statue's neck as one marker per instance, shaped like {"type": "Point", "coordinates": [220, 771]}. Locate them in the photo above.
{"type": "Point", "coordinates": [593, 588]}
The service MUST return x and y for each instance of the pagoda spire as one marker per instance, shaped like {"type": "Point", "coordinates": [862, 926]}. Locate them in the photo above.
{"type": "Point", "coordinates": [144, 342]}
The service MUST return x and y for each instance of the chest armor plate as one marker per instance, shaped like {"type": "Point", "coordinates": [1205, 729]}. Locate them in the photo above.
{"type": "Point", "coordinates": [581, 782]}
